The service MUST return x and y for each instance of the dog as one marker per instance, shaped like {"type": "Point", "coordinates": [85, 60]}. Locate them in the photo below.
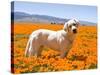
{"type": "Point", "coordinates": [57, 40]}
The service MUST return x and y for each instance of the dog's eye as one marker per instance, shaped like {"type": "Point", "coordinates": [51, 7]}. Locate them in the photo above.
{"type": "Point", "coordinates": [70, 26]}
{"type": "Point", "coordinates": [74, 24]}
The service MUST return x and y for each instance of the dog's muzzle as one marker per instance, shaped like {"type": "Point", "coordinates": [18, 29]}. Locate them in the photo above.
{"type": "Point", "coordinates": [74, 30]}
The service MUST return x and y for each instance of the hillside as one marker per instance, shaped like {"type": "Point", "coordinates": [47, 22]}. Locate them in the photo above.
{"type": "Point", "coordinates": [35, 18]}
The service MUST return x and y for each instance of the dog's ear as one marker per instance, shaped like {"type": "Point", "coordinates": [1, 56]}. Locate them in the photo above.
{"type": "Point", "coordinates": [77, 21]}
{"type": "Point", "coordinates": [78, 24]}
{"type": "Point", "coordinates": [65, 28]}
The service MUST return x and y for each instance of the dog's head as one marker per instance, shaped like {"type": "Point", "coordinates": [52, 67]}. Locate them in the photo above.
{"type": "Point", "coordinates": [71, 26]}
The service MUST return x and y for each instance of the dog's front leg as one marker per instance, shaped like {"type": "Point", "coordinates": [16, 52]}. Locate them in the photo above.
{"type": "Point", "coordinates": [65, 51]}
{"type": "Point", "coordinates": [63, 54]}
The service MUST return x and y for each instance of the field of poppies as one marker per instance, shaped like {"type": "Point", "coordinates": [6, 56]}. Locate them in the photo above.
{"type": "Point", "coordinates": [82, 56]}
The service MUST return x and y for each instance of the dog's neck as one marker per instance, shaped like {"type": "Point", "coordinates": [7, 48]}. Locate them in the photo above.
{"type": "Point", "coordinates": [69, 36]}
{"type": "Point", "coordinates": [72, 36]}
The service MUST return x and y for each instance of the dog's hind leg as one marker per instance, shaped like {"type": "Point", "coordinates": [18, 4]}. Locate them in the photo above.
{"type": "Point", "coordinates": [27, 48]}
{"type": "Point", "coordinates": [39, 51]}
{"type": "Point", "coordinates": [32, 49]}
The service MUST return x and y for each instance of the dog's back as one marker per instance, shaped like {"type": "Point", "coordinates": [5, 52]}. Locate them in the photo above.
{"type": "Point", "coordinates": [42, 33]}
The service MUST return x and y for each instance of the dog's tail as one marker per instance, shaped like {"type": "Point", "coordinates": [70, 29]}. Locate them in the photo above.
{"type": "Point", "coordinates": [27, 48]}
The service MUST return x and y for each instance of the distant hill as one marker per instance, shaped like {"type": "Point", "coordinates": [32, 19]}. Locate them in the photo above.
{"type": "Point", "coordinates": [25, 17]}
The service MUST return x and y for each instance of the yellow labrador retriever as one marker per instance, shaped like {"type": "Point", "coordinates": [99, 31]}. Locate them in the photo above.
{"type": "Point", "coordinates": [57, 40]}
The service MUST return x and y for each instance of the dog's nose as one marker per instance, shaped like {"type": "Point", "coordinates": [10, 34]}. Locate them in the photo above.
{"type": "Point", "coordinates": [74, 31]}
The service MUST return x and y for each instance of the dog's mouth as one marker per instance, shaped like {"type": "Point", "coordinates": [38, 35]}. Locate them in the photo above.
{"type": "Point", "coordinates": [74, 31]}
